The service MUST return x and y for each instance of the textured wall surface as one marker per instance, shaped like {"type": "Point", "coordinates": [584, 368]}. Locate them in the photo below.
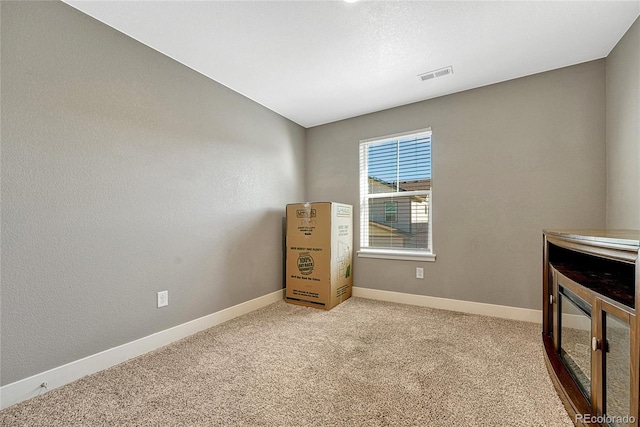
{"type": "Point", "coordinates": [508, 161]}
{"type": "Point", "coordinates": [623, 132]}
{"type": "Point", "coordinates": [125, 173]}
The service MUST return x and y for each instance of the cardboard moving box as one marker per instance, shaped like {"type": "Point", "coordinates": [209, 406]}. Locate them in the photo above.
{"type": "Point", "coordinates": [319, 254]}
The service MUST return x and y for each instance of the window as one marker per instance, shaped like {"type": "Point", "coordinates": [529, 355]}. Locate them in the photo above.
{"type": "Point", "coordinates": [391, 211]}
{"type": "Point", "coordinates": [395, 197]}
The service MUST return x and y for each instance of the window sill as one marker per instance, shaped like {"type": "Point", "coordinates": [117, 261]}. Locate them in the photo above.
{"type": "Point", "coordinates": [399, 255]}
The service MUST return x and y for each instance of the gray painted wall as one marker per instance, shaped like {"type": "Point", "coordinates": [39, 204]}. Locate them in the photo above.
{"type": "Point", "coordinates": [623, 131]}
{"type": "Point", "coordinates": [508, 161]}
{"type": "Point", "coordinates": [125, 173]}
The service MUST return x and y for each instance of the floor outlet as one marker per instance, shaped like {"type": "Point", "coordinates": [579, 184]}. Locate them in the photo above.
{"type": "Point", "coordinates": [419, 273]}
{"type": "Point", "coordinates": [163, 298]}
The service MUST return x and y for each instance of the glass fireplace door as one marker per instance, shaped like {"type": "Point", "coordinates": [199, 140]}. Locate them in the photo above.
{"type": "Point", "coordinates": [617, 369]}
{"type": "Point", "coordinates": [575, 337]}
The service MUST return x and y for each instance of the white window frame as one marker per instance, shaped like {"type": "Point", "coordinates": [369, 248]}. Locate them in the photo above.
{"type": "Point", "coordinates": [388, 253]}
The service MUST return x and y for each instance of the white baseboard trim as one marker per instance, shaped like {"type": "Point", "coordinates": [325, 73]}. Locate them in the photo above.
{"type": "Point", "coordinates": [27, 388]}
{"type": "Point", "coordinates": [502, 311]}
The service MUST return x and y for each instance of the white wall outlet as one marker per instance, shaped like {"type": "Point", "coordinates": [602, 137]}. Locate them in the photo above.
{"type": "Point", "coordinates": [163, 298]}
{"type": "Point", "coordinates": [419, 273]}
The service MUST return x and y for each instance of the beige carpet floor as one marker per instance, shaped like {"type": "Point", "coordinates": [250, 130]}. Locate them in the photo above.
{"type": "Point", "coordinates": [364, 363]}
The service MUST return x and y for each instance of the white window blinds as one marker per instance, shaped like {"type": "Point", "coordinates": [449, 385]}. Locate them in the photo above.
{"type": "Point", "coordinates": [395, 192]}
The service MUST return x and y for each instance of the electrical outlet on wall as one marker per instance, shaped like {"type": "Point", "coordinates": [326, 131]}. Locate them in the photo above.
{"type": "Point", "coordinates": [163, 298]}
{"type": "Point", "coordinates": [419, 273]}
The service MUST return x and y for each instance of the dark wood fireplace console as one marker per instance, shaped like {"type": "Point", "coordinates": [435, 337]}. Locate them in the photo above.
{"type": "Point", "coordinates": [591, 331]}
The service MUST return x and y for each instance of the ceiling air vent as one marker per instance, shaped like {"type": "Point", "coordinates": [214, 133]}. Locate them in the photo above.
{"type": "Point", "coordinates": [436, 73]}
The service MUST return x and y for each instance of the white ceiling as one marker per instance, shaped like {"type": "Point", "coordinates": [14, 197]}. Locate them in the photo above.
{"type": "Point", "coordinates": [316, 62]}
